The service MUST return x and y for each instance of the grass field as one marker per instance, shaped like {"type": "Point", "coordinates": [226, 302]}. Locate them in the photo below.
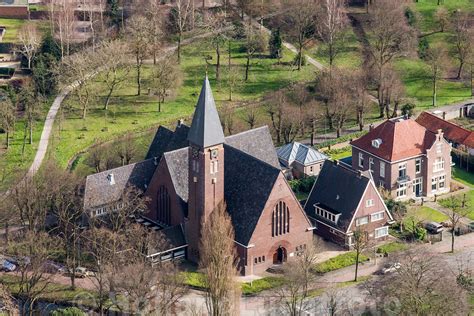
{"type": "Point", "coordinates": [423, 213]}
{"type": "Point", "coordinates": [341, 261]}
{"type": "Point", "coordinates": [14, 25]}
{"type": "Point", "coordinates": [13, 164]}
{"type": "Point", "coordinates": [129, 112]}
{"type": "Point", "coordinates": [463, 176]}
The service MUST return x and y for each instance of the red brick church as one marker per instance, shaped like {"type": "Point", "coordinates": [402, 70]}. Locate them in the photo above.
{"type": "Point", "coordinates": [189, 171]}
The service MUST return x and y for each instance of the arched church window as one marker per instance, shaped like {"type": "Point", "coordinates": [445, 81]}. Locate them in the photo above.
{"type": "Point", "coordinates": [280, 219]}
{"type": "Point", "coordinates": [163, 205]}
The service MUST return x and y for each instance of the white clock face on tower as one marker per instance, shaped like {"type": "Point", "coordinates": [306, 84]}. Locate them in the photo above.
{"type": "Point", "coordinates": [214, 153]}
{"type": "Point", "coordinates": [195, 152]}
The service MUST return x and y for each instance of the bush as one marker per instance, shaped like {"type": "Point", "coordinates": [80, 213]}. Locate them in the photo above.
{"type": "Point", "coordinates": [410, 16]}
{"type": "Point", "coordinates": [263, 284]}
{"type": "Point", "coordinates": [297, 58]}
{"type": "Point", "coordinates": [275, 44]}
{"type": "Point", "coordinates": [302, 185]}
{"type": "Point", "coordinates": [407, 109]}
{"type": "Point", "coordinates": [423, 46]}
{"type": "Point", "coordinates": [392, 247]}
{"type": "Point", "coordinates": [195, 279]}
{"type": "Point", "coordinates": [70, 311]}
{"type": "Point", "coordinates": [339, 262]}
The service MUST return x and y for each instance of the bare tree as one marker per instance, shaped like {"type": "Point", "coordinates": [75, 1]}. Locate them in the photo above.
{"type": "Point", "coordinates": [180, 20]}
{"type": "Point", "coordinates": [361, 97]}
{"type": "Point", "coordinates": [284, 116]}
{"type": "Point", "coordinates": [77, 69]}
{"type": "Point", "coordinates": [418, 287]}
{"type": "Point", "coordinates": [31, 102]}
{"type": "Point", "coordinates": [255, 42]}
{"type": "Point", "coordinates": [361, 242]}
{"type": "Point", "coordinates": [301, 16]}
{"type": "Point", "coordinates": [127, 149]}
{"type": "Point", "coordinates": [7, 118]}
{"type": "Point", "coordinates": [233, 78]}
{"type": "Point", "coordinates": [442, 18]}
{"type": "Point", "coordinates": [251, 115]}
{"type": "Point", "coordinates": [216, 23]}
{"type": "Point", "coordinates": [390, 36]}
{"type": "Point", "coordinates": [217, 261]}
{"type": "Point", "coordinates": [155, 17]}
{"type": "Point", "coordinates": [330, 24]}
{"type": "Point", "coordinates": [166, 77]}
{"type": "Point", "coordinates": [64, 20]}
{"type": "Point", "coordinates": [436, 57]}
{"type": "Point", "coordinates": [30, 41]}
{"type": "Point", "coordinates": [6, 301]}
{"type": "Point", "coordinates": [299, 277]}
{"type": "Point", "coordinates": [457, 210]}
{"type": "Point", "coordinates": [138, 40]}
{"type": "Point", "coordinates": [227, 117]}
{"type": "Point", "coordinates": [116, 68]}
{"type": "Point", "coordinates": [462, 40]}
{"type": "Point", "coordinates": [32, 252]}
{"type": "Point", "coordinates": [392, 91]}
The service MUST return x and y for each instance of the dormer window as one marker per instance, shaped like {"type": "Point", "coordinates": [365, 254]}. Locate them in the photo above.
{"type": "Point", "coordinates": [111, 179]}
{"type": "Point", "coordinates": [376, 143]}
{"type": "Point", "coordinates": [326, 214]}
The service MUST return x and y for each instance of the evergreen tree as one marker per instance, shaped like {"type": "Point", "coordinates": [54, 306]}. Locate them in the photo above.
{"type": "Point", "coordinates": [50, 46]}
{"type": "Point", "coordinates": [275, 44]}
{"type": "Point", "coordinates": [113, 12]}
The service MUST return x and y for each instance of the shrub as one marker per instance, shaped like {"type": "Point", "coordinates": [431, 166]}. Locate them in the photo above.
{"type": "Point", "coordinates": [410, 16]}
{"type": "Point", "coordinates": [407, 109]}
{"type": "Point", "coordinates": [302, 185]}
{"type": "Point", "coordinates": [275, 44]}
{"type": "Point", "coordinates": [263, 284]}
{"type": "Point", "coordinates": [392, 247]}
{"type": "Point", "coordinates": [423, 46]}
{"type": "Point", "coordinates": [70, 311]}
{"type": "Point", "coordinates": [339, 262]}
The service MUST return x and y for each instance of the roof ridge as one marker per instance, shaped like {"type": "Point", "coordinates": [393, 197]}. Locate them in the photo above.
{"type": "Point", "coordinates": [173, 151]}
{"type": "Point", "coordinates": [120, 167]}
{"type": "Point", "coordinates": [444, 121]}
{"type": "Point", "coordinates": [253, 157]}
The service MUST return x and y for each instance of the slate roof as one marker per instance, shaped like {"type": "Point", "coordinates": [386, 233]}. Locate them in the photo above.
{"type": "Point", "coordinates": [206, 129]}
{"type": "Point", "coordinates": [301, 153]}
{"type": "Point", "coordinates": [99, 191]}
{"type": "Point", "coordinates": [401, 138]}
{"type": "Point", "coordinates": [169, 238]}
{"type": "Point", "coordinates": [177, 162]}
{"type": "Point", "coordinates": [452, 132]}
{"type": "Point", "coordinates": [167, 140]}
{"type": "Point", "coordinates": [256, 142]}
{"type": "Point", "coordinates": [337, 188]}
{"type": "Point", "coordinates": [248, 183]}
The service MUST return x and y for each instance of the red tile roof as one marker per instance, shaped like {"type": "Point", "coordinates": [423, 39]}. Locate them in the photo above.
{"type": "Point", "coordinates": [401, 138]}
{"type": "Point", "coordinates": [452, 132]}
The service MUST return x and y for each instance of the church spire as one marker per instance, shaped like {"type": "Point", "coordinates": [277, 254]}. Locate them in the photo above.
{"type": "Point", "coordinates": [206, 129]}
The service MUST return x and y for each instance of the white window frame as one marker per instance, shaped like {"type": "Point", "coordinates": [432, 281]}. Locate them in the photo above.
{"type": "Point", "coordinates": [418, 165]}
{"type": "Point", "coordinates": [402, 187]}
{"type": "Point", "coordinates": [441, 180]}
{"type": "Point", "coordinates": [361, 160]}
{"type": "Point", "coordinates": [438, 165]}
{"type": "Point", "coordinates": [434, 181]}
{"type": "Point", "coordinates": [358, 223]}
{"type": "Point", "coordinates": [402, 166]}
{"type": "Point", "coordinates": [371, 164]}
{"type": "Point", "coordinates": [372, 219]}
{"type": "Point", "coordinates": [382, 169]}
{"type": "Point", "coordinates": [384, 228]}
{"type": "Point", "coordinates": [369, 203]}
{"type": "Point", "coordinates": [439, 148]}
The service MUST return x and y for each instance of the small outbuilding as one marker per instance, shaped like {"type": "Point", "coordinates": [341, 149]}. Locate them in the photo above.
{"type": "Point", "coordinates": [298, 160]}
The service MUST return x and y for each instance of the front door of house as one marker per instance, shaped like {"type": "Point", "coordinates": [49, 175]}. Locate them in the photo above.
{"type": "Point", "coordinates": [418, 186]}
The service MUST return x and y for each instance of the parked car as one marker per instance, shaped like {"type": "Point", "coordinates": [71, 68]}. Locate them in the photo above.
{"type": "Point", "coordinates": [434, 227]}
{"type": "Point", "coordinates": [7, 266]}
{"type": "Point", "coordinates": [82, 272]}
{"type": "Point", "coordinates": [447, 224]}
{"type": "Point", "coordinates": [390, 268]}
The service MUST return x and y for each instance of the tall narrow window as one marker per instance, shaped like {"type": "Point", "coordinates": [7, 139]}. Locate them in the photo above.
{"type": "Point", "coordinates": [382, 169]}
{"type": "Point", "coordinates": [418, 165]}
{"type": "Point", "coordinates": [163, 206]}
{"type": "Point", "coordinates": [361, 160]}
{"type": "Point", "coordinates": [371, 164]}
{"type": "Point", "coordinates": [280, 219]}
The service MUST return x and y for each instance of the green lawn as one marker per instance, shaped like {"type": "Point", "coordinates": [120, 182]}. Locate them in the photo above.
{"type": "Point", "coordinates": [129, 112]}
{"type": "Point", "coordinates": [392, 247]}
{"type": "Point", "coordinates": [469, 203]}
{"type": "Point", "coordinates": [463, 176]}
{"type": "Point", "coordinates": [349, 55]}
{"type": "Point", "coordinates": [14, 25]}
{"type": "Point", "coordinates": [339, 153]}
{"type": "Point", "coordinates": [261, 285]}
{"type": "Point", "coordinates": [423, 213]}
{"type": "Point", "coordinates": [339, 262]}
{"type": "Point", "coordinates": [13, 164]}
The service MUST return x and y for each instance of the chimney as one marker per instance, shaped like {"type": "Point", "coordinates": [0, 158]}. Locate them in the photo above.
{"type": "Point", "coordinates": [180, 122]}
{"type": "Point", "coordinates": [111, 179]}
{"type": "Point", "coordinates": [440, 134]}
{"type": "Point", "coordinates": [155, 161]}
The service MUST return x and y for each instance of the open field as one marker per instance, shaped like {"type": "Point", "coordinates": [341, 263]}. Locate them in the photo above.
{"type": "Point", "coordinates": [14, 25]}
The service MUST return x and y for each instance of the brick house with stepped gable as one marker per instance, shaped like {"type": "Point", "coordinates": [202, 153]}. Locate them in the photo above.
{"type": "Point", "coordinates": [343, 200]}
{"type": "Point", "coordinates": [191, 170]}
{"type": "Point", "coordinates": [405, 158]}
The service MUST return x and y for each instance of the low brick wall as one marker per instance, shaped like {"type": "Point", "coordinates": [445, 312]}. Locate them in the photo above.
{"type": "Point", "coordinates": [16, 12]}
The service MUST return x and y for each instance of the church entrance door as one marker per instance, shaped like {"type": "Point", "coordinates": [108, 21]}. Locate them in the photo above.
{"type": "Point", "coordinates": [279, 256]}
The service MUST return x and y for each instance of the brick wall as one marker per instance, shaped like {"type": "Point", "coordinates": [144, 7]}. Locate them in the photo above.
{"type": "Point", "coordinates": [264, 243]}
{"type": "Point", "coordinates": [20, 12]}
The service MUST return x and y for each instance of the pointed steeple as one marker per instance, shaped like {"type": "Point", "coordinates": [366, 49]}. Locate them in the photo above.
{"type": "Point", "coordinates": [206, 129]}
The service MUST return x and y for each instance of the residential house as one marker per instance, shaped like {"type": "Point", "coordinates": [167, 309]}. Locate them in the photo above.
{"type": "Point", "coordinates": [458, 136]}
{"type": "Point", "coordinates": [343, 201]}
{"type": "Point", "coordinates": [299, 160]}
{"type": "Point", "coordinates": [193, 169]}
{"type": "Point", "coordinates": [405, 158]}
